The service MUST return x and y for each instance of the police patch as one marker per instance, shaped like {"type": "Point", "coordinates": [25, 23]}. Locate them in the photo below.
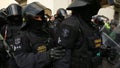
{"type": "Point", "coordinates": [17, 41]}
{"type": "Point", "coordinates": [65, 33]}
{"type": "Point", "coordinates": [42, 48]}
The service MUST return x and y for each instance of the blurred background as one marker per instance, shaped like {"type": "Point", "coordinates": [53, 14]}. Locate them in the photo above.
{"type": "Point", "coordinates": [106, 10]}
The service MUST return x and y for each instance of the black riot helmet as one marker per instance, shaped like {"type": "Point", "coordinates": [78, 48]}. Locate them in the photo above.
{"type": "Point", "coordinates": [80, 3]}
{"type": "Point", "coordinates": [14, 14]}
{"type": "Point", "coordinates": [35, 8]}
{"type": "Point", "coordinates": [31, 12]}
{"type": "Point", "coordinates": [61, 12]}
{"type": "Point", "coordinates": [13, 9]}
{"type": "Point", "coordinates": [85, 8]}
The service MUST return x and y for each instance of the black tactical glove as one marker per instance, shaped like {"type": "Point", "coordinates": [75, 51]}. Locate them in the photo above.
{"type": "Point", "coordinates": [110, 53]}
{"type": "Point", "coordinates": [57, 53]}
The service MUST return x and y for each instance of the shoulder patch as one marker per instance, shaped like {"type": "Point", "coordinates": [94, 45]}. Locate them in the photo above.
{"type": "Point", "coordinates": [65, 33]}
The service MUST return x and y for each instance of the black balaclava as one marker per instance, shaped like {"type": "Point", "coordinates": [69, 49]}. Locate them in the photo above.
{"type": "Point", "coordinates": [36, 25]}
{"type": "Point", "coordinates": [15, 20]}
{"type": "Point", "coordinates": [86, 12]}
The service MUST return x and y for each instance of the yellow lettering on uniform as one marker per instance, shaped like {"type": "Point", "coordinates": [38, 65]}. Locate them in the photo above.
{"type": "Point", "coordinates": [42, 48]}
{"type": "Point", "coordinates": [97, 41]}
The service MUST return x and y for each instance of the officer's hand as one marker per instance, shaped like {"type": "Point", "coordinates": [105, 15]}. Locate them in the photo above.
{"type": "Point", "coordinates": [57, 52]}
{"type": "Point", "coordinates": [112, 54]}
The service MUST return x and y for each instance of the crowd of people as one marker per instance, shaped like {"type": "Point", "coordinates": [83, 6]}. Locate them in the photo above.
{"type": "Point", "coordinates": [31, 38]}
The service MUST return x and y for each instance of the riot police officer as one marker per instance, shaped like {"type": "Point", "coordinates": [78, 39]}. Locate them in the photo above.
{"type": "Point", "coordinates": [35, 50]}
{"type": "Point", "coordinates": [12, 29]}
{"type": "Point", "coordinates": [77, 34]}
